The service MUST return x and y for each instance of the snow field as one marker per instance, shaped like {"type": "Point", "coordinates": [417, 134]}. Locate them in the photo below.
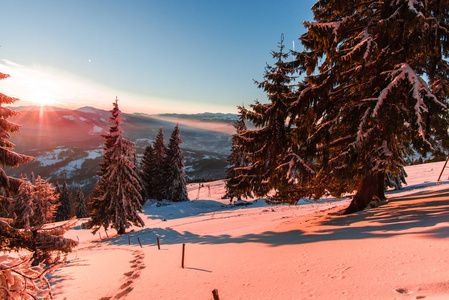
{"type": "Point", "coordinates": [396, 251]}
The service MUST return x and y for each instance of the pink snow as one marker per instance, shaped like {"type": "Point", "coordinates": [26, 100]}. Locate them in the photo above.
{"type": "Point", "coordinates": [396, 251]}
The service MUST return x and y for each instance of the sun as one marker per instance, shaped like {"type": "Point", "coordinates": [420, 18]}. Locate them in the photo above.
{"type": "Point", "coordinates": [41, 98]}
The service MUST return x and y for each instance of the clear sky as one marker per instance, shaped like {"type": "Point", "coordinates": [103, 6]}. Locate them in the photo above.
{"type": "Point", "coordinates": [156, 56]}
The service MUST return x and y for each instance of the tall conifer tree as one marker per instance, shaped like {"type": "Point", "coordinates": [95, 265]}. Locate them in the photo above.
{"type": "Point", "coordinates": [8, 158]}
{"type": "Point", "coordinates": [266, 145]}
{"type": "Point", "coordinates": [365, 97]}
{"type": "Point", "coordinates": [117, 198]}
{"type": "Point", "coordinates": [174, 174]}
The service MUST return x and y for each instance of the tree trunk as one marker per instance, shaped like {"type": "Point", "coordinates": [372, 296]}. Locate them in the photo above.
{"type": "Point", "coordinates": [371, 188]}
{"type": "Point", "coordinates": [121, 229]}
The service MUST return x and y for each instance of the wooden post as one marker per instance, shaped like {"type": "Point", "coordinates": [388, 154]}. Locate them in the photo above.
{"type": "Point", "coordinates": [139, 242]}
{"type": "Point", "coordinates": [106, 233]}
{"type": "Point", "coordinates": [441, 174]}
{"type": "Point", "coordinates": [183, 254]}
{"type": "Point", "coordinates": [158, 244]}
{"type": "Point", "coordinates": [129, 241]}
{"type": "Point", "coordinates": [99, 233]}
{"type": "Point", "coordinates": [215, 294]}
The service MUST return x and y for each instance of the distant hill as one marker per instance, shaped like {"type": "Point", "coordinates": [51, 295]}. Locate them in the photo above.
{"type": "Point", "coordinates": [67, 144]}
{"type": "Point", "coordinates": [207, 116]}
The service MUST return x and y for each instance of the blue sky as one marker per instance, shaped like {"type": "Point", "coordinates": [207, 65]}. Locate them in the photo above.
{"type": "Point", "coordinates": [156, 56]}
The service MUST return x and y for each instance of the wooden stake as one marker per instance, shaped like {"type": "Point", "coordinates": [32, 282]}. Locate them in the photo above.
{"type": "Point", "coordinates": [139, 242]}
{"type": "Point", "coordinates": [129, 241]}
{"type": "Point", "coordinates": [106, 233]}
{"type": "Point", "coordinates": [99, 233]}
{"type": "Point", "coordinates": [441, 174]}
{"type": "Point", "coordinates": [215, 294]}
{"type": "Point", "coordinates": [158, 244]}
{"type": "Point", "coordinates": [183, 254]}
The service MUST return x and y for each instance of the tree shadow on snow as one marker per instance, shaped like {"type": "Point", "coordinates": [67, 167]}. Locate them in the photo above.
{"type": "Point", "coordinates": [418, 213]}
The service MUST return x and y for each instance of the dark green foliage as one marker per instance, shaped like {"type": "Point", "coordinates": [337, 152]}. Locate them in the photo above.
{"type": "Point", "coordinates": [64, 209]}
{"type": "Point", "coordinates": [174, 175]}
{"type": "Point", "coordinates": [149, 173]}
{"type": "Point", "coordinates": [117, 194]}
{"type": "Point", "coordinates": [159, 182]}
{"type": "Point", "coordinates": [81, 208]}
{"type": "Point", "coordinates": [237, 184]}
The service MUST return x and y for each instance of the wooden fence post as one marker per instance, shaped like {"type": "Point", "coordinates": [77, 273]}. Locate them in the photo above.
{"type": "Point", "coordinates": [139, 242]}
{"type": "Point", "coordinates": [183, 254]}
{"type": "Point", "coordinates": [215, 294]}
{"type": "Point", "coordinates": [158, 244]}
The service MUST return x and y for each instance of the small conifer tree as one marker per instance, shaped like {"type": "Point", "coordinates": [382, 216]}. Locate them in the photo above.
{"type": "Point", "coordinates": [160, 184]}
{"type": "Point", "coordinates": [64, 209]}
{"type": "Point", "coordinates": [175, 176]}
{"type": "Point", "coordinates": [81, 208]}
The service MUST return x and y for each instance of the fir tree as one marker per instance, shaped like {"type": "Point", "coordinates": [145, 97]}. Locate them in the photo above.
{"type": "Point", "coordinates": [23, 205]}
{"type": "Point", "coordinates": [364, 97]}
{"type": "Point", "coordinates": [45, 202]}
{"type": "Point", "coordinates": [149, 173]}
{"type": "Point", "coordinates": [159, 183]}
{"type": "Point", "coordinates": [265, 146]}
{"type": "Point", "coordinates": [65, 204]}
{"type": "Point", "coordinates": [175, 176]}
{"type": "Point", "coordinates": [81, 208]}
{"type": "Point", "coordinates": [237, 184]}
{"type": "Point", "coordinates": [8, 158]}
{"type": "Point", "coordinates": [117, 197]}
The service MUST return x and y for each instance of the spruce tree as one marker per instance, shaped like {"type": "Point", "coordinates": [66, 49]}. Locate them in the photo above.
{"type": "Point", "coordinates": [22, 207]}
{"type": "Point", "coordinates": [117, 198]}
{"type": "Point", "coordinates": [265, 146]}
{"type": "Point", "coordinates": [149, 173]}
{"type": "Point", "coordinates": [81, 208]}
{"type": "Point", "coordinates": [237, 184]}
{"type": "Point", "coordinates": [65, 204]}
{"type": "Point", "coordinates": [45, 202]}
{"type": "Point", "coordinates": [376, 89]}
{"type": "Point", "coordinates": [160, 183]}
{"type": "Point", "coordinates": [8, 158]}
{"type": "Point", "coordinates": [175, 176]}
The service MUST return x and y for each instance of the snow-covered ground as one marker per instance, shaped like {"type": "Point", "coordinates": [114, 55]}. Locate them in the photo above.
{"type": "Point", "coordinates": [258, 251]}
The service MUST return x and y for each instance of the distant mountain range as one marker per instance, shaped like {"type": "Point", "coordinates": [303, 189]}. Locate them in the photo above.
{"type": "Point", "coordinates": [67, 144]}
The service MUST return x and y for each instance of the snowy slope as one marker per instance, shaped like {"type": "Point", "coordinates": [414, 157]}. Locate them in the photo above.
{"type": "Point", "coordinates": [257, 251]}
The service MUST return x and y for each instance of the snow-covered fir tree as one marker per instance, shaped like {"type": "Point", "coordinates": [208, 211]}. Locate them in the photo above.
{"type": "Point", "coordinates": [237, 186]}
{"type": "Point", "coordinates": [159, 183]}
{"type": "Point", "coordinates": [8, 158]}
{"type": "Point", "coordinates": [265, 146]}
{"type": "Point", "coordinates": [45, 202]}
{"type": "Point", "coordinates": [117, 196]}
{"type": "Point", "coordinates": [376, 89]}
{"type": "Point", "coordinates": [65, 204]}
{"type": "Point", "coordinates": [81, 208]}
{"type": "Point", "coordinates": [22, 206]}
{"type": "Point", "coordinates": [175, 176]}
